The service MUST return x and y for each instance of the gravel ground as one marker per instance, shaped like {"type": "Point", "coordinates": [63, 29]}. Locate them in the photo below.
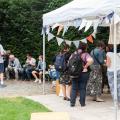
{"type": "Point", "coordinates": [23, 88]}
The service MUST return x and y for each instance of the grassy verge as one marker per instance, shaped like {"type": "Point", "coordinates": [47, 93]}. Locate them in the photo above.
{"type": "Point", "coordinates": [19, 108]}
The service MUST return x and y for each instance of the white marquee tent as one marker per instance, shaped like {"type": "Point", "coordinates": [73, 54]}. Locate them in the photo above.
{"type": "Point", "coordinates": [90, 10]}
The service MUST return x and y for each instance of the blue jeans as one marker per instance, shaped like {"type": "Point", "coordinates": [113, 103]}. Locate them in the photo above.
{"type": "Point", "coordinates": [28, 72]}
{"type": "Point", "coordinates": [79, 85]}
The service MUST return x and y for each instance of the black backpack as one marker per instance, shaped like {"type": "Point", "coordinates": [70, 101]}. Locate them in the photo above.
{"type": "Point", "coordinates": [75, 65]}
{"type": "Point", "coordinates": [60, 63]}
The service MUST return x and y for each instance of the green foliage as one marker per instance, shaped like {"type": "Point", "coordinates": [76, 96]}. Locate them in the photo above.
{"type": "Point", "coordinates": [19, 108]}
{"type": "Point", "coordinates": [21, 24]}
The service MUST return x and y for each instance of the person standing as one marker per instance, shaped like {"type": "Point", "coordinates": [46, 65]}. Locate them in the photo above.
{"type": "Point", "coordinates": [110, 70]}
{"type": "Point", "coordinates": [94, 87]}
{"type": "Point", "coordinates": [2, 53]}
{"type": "Point", "coordinates": [79, 63]}
{"type": "Point", "coordinates": [65, 79]}
{"type": "Point", "coordinates": [60, 63]}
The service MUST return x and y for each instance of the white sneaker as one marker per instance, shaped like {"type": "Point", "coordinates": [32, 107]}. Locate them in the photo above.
{"type": "Point", "coordinates": [39, 81]}
{"type": "Point", "coordinates": [36, 80]}
{"type": "Point", "coordinates": [2, 82]}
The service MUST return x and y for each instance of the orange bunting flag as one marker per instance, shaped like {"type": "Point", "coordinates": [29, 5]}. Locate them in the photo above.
{"type": "Point", "coordinates": [60, 29]}
{"type": "Point", "coordinates": [90, 38]}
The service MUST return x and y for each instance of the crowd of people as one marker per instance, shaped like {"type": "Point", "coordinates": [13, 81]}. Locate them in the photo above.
{"type": "Point", "coordinates": [82, 73]}
{"type": "Point", "coordinates": [10, 67]}
{"type": "Point", "coordinates": [79, 73]}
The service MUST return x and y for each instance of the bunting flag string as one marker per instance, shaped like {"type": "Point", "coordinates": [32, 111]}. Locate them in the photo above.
{"type": "Point", "coordinates": [75, 42]}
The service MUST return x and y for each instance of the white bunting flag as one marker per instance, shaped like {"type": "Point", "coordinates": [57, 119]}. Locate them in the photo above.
{"type": "Point", "coordinates": [107, 20]}
{"type": "Point", "coordinates": [84, 40]}
{"type": "Point", "coordinates": [76, 43]}
{"type": "Point", "coordinates": [65, 30]}
{"type": "Point", "coordinates": [83, 23]}
{"type": "Point", "coordinates": [77, 23]}
{"type": "Point", "coordinates": [50, 36]}
{"type": "Point", "coordinates": [59, 40]}
{"type": "Point", "coordinates": [47, 30]}
{"type": "Point", "coordinates": [55, 25]}
{"type": "Point", "coordinates": [88, 25]}
{"type": "Point", "coordinates": [94, 34]}
{"type": "Point", "coordinates": [68, 42]}
{"type": "Point", "coordinates": [95, 25]}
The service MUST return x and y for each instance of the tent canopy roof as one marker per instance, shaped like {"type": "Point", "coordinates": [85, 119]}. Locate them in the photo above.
{"type": "Point", "coordinates": [88, 9]}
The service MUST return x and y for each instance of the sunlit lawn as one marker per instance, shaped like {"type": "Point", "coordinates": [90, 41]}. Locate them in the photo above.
{"type": "Point", "coordinates": [19, 108]}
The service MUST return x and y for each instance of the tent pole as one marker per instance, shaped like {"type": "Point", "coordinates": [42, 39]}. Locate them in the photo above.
{"type": "Point", "coordinates": [43, 61]}
{"type": "Point", "coordinates": [115, 75]}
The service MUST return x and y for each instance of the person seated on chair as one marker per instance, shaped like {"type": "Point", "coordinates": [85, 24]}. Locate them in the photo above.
{"type": "Point", "coordinates": [29, 66]}
{"type": "Point", "coordinates": [37, 73]}
{"type": "Point", "coordinates": [13, 66]}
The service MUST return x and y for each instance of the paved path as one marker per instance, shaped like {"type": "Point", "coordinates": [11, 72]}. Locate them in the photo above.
{"type": "Point", "coordinates": [92, 111]}
{"type": "Point", "coordinates": [22, 88]}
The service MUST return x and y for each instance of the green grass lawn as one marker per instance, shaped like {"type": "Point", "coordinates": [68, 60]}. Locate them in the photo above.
{"type": "Point", "coordinates": [19, 108]}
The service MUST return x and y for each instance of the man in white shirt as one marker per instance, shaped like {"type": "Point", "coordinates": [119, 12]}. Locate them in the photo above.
{"type": "Point", "coordinates": [2, 52]}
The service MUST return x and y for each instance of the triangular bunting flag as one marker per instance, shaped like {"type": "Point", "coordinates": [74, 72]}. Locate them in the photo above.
{"type": "Point", "coordinates": [59, 29]}
{"type": "Point", "coordinates": [55, 25]}
{"type": "Point", "coordinates": [77, 23]}
{"type": "Point", "coordinates": [107, 20]}
{"type": "Point", "coordinates": [68, 42]}
{"type": "Point", "coordinates": [94, 34]}
{"type": "Point", "coordinates": [83, 23]}
{"type": "Point", "coordinates": [65, 29]}
{"type": "Point", "coordinates": [110, 16]}
{"type": "Point", "coordinates": [50, 36]}
{"type": "Point", "coordinates": [76, 43]}
{"type": "Point", "coordinates": [89, 23]}
{"type": "Point", "coordinates": [90, 38]}
{"type": "Point", "coordinates": [47, 30]}
{"type": "Point", "coordinates": [84, 40]}
{"type": "Point", "coordinates": [95, 25]}
{"type": "Point", "coordinates": [59, 40]}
